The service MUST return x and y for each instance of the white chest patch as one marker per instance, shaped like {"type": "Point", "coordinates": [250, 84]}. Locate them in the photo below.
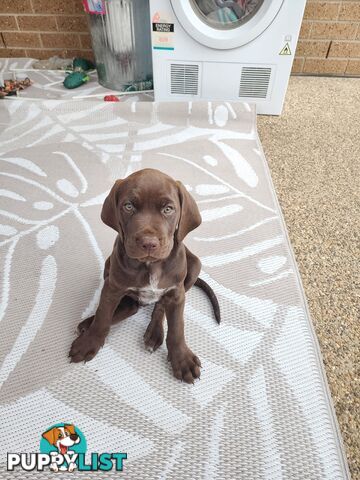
{"type": "Point", "coordinates": [151, 293]}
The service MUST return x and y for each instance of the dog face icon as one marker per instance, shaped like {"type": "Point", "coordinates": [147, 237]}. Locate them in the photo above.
{"type": "Point", "coordinates": [62, 438]}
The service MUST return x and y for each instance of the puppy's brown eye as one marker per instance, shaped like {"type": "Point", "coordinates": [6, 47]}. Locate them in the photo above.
{"type": "Point", "coordinates": [128, 207]}
{"type": "Point", "coordinates": [168, 210]}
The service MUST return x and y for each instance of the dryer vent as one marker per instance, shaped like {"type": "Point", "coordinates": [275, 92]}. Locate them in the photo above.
{"type": "Point", "coordinates": [184, 79]}
{"type": "Point", "coordinates": [254, 82]}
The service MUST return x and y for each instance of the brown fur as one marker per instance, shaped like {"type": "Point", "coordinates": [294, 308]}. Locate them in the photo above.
{"type": "Point", "coordinates": [152, 214]}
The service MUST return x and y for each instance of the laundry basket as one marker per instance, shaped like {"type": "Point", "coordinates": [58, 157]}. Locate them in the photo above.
{"type": "Point", "coordinates": [121, 39]}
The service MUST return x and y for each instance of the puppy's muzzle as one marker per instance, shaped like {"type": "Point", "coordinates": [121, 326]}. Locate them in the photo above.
{"type": "Point", "coordinates": [148, 244]}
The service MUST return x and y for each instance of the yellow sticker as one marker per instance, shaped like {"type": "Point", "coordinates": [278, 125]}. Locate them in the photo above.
{"type": "Point", "coordinates": [286, 50]}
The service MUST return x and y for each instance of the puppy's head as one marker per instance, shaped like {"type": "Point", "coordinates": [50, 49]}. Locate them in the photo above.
{"type": "Point", "coordinates": [150, 211]}
{"type": "Point", "coordinates": [62, 437]}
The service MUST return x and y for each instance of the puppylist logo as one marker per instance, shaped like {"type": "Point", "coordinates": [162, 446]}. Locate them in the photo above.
{"type": "Point", "coordinates": [62, 449]}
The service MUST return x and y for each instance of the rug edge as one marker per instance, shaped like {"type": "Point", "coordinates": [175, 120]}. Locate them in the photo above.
{"type": "Point", "coordinates": [319, 359]}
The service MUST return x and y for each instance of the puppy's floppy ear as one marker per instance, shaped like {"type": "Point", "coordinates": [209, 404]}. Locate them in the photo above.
{"type": "Point", "coordinates": [109, 212]}
{"type": "Point", "coordinates": [50, 436]}
{"type": "Point", "coordinates": [190, 217]}
{"type": "Point", "coordinates": [70, 428]}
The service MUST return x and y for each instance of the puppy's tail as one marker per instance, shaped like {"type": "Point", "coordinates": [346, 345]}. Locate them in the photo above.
{"type": "Point", "coordinates": [212, 297]}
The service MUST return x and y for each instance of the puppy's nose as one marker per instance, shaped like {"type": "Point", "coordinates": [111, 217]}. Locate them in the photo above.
{"type": "Point", "coordinates": [149, 244]}
{"type": "Point", "coordinates": [74, 437]}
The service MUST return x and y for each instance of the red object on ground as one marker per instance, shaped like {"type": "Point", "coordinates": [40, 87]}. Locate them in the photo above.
{"type": "Point", "coordinates": [111, 98]}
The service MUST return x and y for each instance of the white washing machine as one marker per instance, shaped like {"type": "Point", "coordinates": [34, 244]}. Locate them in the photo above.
{"type": "Point", "coordinates": [225, 50]}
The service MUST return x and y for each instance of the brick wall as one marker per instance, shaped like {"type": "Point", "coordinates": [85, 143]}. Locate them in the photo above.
{"type": "Point", "coordinates": [42, 28]}
{"type": "Point", "coordinates": [329, 40]}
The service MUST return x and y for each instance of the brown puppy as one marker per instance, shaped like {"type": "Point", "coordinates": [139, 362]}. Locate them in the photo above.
{"type": "Point", "coordinates": [149, 264]}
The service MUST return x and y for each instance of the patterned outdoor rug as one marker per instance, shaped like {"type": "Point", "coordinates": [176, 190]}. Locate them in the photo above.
{"type": "Point", "coordinates": [262, 408]}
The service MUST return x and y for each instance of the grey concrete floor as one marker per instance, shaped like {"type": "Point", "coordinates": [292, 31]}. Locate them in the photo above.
{"type": "Point", "coordinates": [313, 150]}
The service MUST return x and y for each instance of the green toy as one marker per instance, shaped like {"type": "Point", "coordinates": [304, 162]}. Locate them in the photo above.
{"type": "Point", "coordinates": [82, 64]}
{"type": "Point", "coordinates": [75, 79]}
{"type": "Point", "coordinates": [78, 76]}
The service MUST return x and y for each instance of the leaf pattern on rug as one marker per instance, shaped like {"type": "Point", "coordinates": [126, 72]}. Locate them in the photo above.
{"type": "Point", "coordinates": [261, 408]}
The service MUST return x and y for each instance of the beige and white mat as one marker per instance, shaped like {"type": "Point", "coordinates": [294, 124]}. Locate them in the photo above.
{"type": "Point", "coordinates": [262, 408]}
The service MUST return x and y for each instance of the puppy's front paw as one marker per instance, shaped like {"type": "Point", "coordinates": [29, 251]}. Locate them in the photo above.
{"type": "Point", "coordinates": [84, 325]}
{"type": "Point", "coordinates": [154, 336]}
{"type": "Point", "coordinates": [85, 347]}
{"type": "Point", "coordinates": [185, 364]}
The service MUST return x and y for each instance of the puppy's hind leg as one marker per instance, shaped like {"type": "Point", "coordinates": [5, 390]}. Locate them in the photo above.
{"type": "Point", "coordinates": [125, 309]}
{"type": "Point", "coordinates": [154, 335]}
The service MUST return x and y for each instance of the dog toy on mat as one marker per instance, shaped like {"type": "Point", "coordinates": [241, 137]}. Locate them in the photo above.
{"type": "Point", "coordinates": [12, 87]}
{"type": "Point", "coordinates": [82, 64]}
{"type": "Point", "coordinates": [111, 98]}
{"type": "Point", "coordinates": [79, 75]}
{"type": "Point", "coordinates": [75, 79]}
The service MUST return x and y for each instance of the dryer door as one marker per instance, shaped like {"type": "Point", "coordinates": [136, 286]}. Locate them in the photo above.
{"type": "Point", "coordinates": [225, 24]}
